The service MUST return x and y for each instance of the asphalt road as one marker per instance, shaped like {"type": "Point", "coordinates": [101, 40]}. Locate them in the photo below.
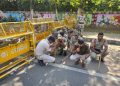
{"type": "Point", "coordinates": [57, 75]}
{"type": "Point", "coordinates": [68, 74]}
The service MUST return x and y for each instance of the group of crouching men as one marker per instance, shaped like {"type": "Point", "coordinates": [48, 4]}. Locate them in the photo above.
{"type": "Point", "coordinates": [67, 42]}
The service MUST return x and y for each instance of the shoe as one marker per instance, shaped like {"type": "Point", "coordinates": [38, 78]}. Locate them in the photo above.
{"type": "Point", "coordinates": [77, 62]}
{"type": "Point", "coordinates": [65, 53]}
{"type": "Point", "coordinates": [102, 60]}
{"type": "Point", "coordinates": [41, 63]}
{"type": "Point", "coordinates": [60, 53]}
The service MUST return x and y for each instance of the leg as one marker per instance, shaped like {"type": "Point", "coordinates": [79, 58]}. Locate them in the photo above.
{"type": "Point", "coordinates": [75, 57]}
{"type": "Point", "coordinates": [93, 55]}
{"type": "Point", "coordinates": [103, 55]}
{"type": "Point", "coordinates": [84, 61]}
{"type": "Point", "coordinates": [48, 58]}
{"type": "Point", "coordinates": [88, 60]}
{"type": "Point", "coordinates": [40, 60]}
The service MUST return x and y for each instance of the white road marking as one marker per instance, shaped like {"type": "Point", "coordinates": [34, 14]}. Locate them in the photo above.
{"type": "Point", "coordinates": [89, 72]}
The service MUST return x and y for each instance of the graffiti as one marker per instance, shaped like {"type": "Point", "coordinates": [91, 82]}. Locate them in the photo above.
{"type": "Point", "coordinates": [23, 15]}
{"type": "Point", "coordinates": [88, 19]}
{"type": "Point", "coordinates": [107, 19]}
{"type": "Point", "coordinates": [95, 18]}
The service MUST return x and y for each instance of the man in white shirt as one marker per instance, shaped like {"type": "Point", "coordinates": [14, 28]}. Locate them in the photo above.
{"type": "Point", "coordinates": [43, 49]}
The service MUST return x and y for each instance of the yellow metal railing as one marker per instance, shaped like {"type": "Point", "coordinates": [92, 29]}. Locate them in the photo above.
{"type": "Point", "coordinates": [32, 31]}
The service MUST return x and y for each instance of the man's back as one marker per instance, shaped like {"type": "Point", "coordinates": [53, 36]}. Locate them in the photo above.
{"type": "Point", "coordinates": [42, 47]}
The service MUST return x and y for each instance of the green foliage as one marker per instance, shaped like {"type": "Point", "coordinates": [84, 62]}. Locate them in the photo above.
{"type": "Point", "coordinates": [61, 5]}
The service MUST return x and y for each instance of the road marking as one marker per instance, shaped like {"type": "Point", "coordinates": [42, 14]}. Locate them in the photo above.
{"type": "Point", "coordinates": [89, 72]}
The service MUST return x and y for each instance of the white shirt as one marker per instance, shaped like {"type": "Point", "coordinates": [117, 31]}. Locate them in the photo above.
{"type": "Point", "coordinates": [43, 47]}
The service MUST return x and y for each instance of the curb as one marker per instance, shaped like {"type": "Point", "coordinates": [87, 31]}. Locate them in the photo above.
{"type": "Point", "coordinates": [114, 42]}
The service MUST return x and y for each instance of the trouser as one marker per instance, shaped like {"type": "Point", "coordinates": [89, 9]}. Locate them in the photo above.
{"type": "Point", "coordinates": [81, 57]}
{"type": "Point", "coordinates": [46, 58]}
{"type": "Point", "coordinates": [94, 55]}
{"type": "Point", "coordinates": [81, 28]}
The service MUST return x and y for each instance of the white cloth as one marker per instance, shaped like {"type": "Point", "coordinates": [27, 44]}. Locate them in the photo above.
{"type": "Point", "coordinates": [82, 57]}
{"type": "Point", "coordinates": [42, 49]}
{"type": "Point", "coordinates": [94, 55]}
{"type": "Point", "coordinates": [46, 58]}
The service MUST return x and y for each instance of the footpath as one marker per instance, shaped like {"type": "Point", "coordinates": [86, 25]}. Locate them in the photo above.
{"type": "Point", "coordinates": [112, 38]}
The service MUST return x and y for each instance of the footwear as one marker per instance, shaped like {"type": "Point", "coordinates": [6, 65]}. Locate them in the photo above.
{"type": "Point", "coordinates": [102, 60]}
{"type": "Point", "coordinates": [41, 63]}
{"type": "Point", "coordinates": [65, 53]}
{"type": "Point", "coordinates": [60, 53]}
{"type": "Point", "coordinates": [77, 62]}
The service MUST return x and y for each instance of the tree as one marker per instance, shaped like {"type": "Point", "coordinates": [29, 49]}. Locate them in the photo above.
{"type": "Point", "coordinates": [61, 5]}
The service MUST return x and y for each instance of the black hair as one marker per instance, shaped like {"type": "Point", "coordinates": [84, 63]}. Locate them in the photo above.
{"type": "Point", "coordinates": [51, 38]}
{"type": "Point", "coordinates": [100, 33]}
{"type": "Point", "coordinates": [80, 41]}
{"type": "Point", "coordinates": [62, 33]}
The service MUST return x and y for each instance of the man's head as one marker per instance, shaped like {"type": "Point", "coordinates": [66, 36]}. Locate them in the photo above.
{"type": "Point", "coordinates": [51, 39]}
{"type": "Point", "coordinates": [100, 36]}
{"type": "Point", "coordinates": [81, 42]}
{"type": "Point", "coordinates": [62, 33]}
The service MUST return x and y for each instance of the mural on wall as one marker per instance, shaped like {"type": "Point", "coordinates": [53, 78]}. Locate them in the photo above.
{"type": "Point", "coordinates": [10, 16]}
{"type": "Point", "coordinates": [1, 14]}
{"type": "Point", "coordinates": [39, 15]}
{"type": "Point", "coordinates": [88, 19]}
{"type": "Point", "coordinates": [19, 16]}
{"type": "Point", "coordinates": [95, 18]}
{"type": "Point", "coordinates": [107, 19]}
{"type": "Point", "coordinates": [16, 16]}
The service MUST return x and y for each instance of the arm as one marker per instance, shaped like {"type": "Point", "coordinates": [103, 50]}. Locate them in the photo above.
{"type": "Point", "coordinates": [105, 46]}
{"type": "Point", "coordinates": [87, 55]}
{"type": "Point", "coordinates": [75, 49]}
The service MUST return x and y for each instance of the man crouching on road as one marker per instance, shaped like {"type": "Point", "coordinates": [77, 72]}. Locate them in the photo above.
{"type": "Point", "coordinates": [43, 51]}
{"type": "Point", "coordinates": [99, 46]}
{"type": "Point", "coordinates": [81, 53]}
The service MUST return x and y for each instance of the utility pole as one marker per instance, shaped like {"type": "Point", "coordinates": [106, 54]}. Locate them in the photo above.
{"type": "Point", "coordinates": [56, 11]}
{"type": "Point", "coordinates": [31, 9]}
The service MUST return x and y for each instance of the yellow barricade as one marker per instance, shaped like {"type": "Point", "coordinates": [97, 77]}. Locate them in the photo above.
{"type": "Point", "coordinates": [39, 37]}
{"type": "Point", "coordinates": [9, 52]}
{"type": "Point", "coordinates": [46, 34]}
{"type": "Point", "coordinates": [32, 32]}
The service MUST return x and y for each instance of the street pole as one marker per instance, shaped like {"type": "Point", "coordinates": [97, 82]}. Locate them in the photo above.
{"type": "Point", "coordinates": [31, 10]}
{"type": "Point", "coordinates": [56, 11]}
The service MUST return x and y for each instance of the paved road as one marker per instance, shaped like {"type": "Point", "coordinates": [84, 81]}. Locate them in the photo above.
{"type": "Point", "coordinates": [108, 36]}
{"type": "Point", "coordinates": [69, 74]}
{"type": "Point", "coordinates": [56, 75]}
